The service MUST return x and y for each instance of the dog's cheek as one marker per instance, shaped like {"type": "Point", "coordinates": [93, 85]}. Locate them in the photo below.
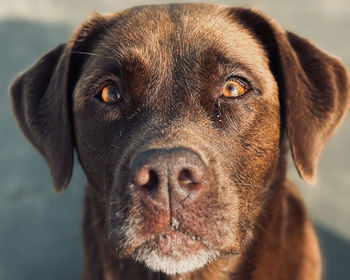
{"type": "Point", "coordinates": [253, 157]}
{"type": "Point", "coordinates": [117, 227]}
{"type": "Point", "coordinates": [99, 154]}
{"type": "Point", "coordinates": [94, 137]}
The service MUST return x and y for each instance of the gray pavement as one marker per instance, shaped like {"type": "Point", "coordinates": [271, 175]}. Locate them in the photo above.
{"type": "Point", "coordinates": [40, 231]}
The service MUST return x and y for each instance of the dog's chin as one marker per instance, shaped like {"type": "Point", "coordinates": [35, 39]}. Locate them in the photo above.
{"type": "Point", "coordinates": [174, 254]}
{"type": "Point", "coordinates": [156, 261]}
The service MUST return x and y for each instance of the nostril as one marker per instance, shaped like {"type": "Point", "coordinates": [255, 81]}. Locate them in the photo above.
{"type": "Point", "coordinates": [160, 176]}
{"type": "Point", "coordinates": [153, 181]}
{"type": "Point", "coordinates": [147, 179]}
{"type": "Point", "coordinates": [186, 178]}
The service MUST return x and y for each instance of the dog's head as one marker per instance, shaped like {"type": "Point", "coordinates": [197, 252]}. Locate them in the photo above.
{"type": "Point", "coordinates": [177, 113]}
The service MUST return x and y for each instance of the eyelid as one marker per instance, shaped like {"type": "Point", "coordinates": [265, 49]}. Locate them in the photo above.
{"type": "Point", "coordinates": [241, 80]}
{"type": "Point", "coordinates": [251, 79]}
{"type": "Point", "coordinates": [95, 83]}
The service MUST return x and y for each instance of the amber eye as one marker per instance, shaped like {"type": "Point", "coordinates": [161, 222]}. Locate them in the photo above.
{"type": "Point", "coordinates": [234, 88]}
{"type": "Point", "coordinates": [110, 94]}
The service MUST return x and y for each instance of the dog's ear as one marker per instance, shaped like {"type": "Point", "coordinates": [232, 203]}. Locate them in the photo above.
{"type": "Point", "coordinates": [41, 100]}
{"type": "Point", "coordinates": [42, 107]}
{"type": "Point", "coordinates": [314, 88]}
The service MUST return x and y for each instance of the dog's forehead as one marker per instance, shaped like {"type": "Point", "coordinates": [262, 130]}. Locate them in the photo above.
{"type": "Point", "coordinates": [158, 34]}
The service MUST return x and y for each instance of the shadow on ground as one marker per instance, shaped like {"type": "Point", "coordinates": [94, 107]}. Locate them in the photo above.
{"type": "Point", "coordinates": [40, 232]}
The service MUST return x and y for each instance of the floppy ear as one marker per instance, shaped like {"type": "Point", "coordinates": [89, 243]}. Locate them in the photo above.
{"type": "Point", "coordinates": [314, 88]}
{"type": "Point", "coordinates": [315, 108]}
{"type": "Point", "coordinates": [42, 107]}
{"type": "Point", "coordinates": [41, 101]}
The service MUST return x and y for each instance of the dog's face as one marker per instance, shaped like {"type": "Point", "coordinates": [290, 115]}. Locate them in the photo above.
{"type": "Point", "coordinates": [175, 112]}
{"type": "Point", "coordinates": [187, 140]}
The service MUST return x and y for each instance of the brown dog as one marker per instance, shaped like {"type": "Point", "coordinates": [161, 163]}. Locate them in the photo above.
{"type": "Point", "coordinates": [179, 115]}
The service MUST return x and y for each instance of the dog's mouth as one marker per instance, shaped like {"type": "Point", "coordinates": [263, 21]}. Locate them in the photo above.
{"type": "Point", "coordinates": [177, 243]}
{"type": "Point", "coordinates": [174, 252]}
{"type": "Point", "coordinates": [167, 223]}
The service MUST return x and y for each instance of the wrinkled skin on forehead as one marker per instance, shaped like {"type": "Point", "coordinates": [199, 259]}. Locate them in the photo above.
{"type": "Point", "coordinates": [171, 88]}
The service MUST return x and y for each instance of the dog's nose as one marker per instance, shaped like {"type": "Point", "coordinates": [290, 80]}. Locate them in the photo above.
{"type": "Point", "coordinates": [170, 175]}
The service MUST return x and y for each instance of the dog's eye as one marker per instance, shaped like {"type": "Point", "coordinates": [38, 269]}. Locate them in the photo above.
{"type": "Point", "coordinates": [234, 88]}
{"type": "Point", "coordinates": [110, 94]}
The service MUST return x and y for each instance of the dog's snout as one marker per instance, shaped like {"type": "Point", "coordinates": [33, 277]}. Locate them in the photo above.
{"type": "Point", "coordinates": [170, 175]}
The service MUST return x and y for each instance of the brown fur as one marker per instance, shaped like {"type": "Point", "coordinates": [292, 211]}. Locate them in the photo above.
{"type": "Point", "coordinates": [170, 63]}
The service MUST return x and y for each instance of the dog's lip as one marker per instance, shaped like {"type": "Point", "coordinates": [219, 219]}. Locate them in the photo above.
{"type": "Point", "coordinates": [175, 242]}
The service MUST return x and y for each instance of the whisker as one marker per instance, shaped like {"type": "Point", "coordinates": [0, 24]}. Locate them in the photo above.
{"type": "Point", "coordinates": [108, 31]}
{"type": "Point", "coordinates": [110, 235]}
{"type": "Point", "coordinates": [266, 188]}
{"type": "Point", "coordinates": [249, 185]}
{"type": "Point", "coordinates": [114, 203]}
{"type": "Point", "coordinates": [104, 180]}
{"type": "Point", "coordinates": [113, 51]}
{"type": "Point", "coordinates": [93, 54]}
{"type": "Point", "coordinates": [116, 213]}
{"type": "Point", "coordinates": [114, 146]}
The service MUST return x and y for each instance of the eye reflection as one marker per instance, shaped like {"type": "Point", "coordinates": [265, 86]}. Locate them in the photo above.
{"type": "Point", "coordinates": [234, 88]}
{"type": "Point", "coordinates": [110, 94]}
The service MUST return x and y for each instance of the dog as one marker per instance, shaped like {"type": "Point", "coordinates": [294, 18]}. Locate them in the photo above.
{"type": "Point", "coordinates": [181, 116]}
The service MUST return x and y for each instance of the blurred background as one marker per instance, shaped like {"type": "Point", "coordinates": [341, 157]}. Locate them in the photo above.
{"type": "Point", "coordinates": [40, 232]}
